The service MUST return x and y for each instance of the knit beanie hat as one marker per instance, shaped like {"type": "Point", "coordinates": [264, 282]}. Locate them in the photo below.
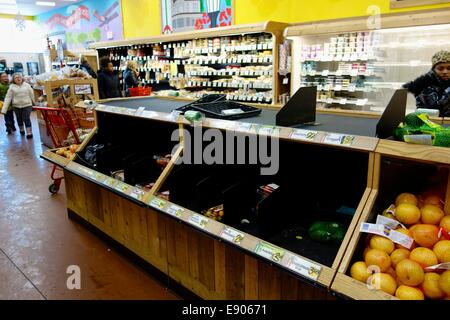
{"type": "Point", "coordinates": [441, 57]}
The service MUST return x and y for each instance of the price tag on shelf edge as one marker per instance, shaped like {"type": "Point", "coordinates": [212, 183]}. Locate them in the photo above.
{"type": "Point", "coordinates": [338, 139]}
{"type": "Point", "coordinates": [304, 267]}
{"type": "Point", "coordinates": [198, 220]}
{"type": "Point", "coordinates": [387, 232]}
{"type": "Point", "coordinates": [157, 203]}
{"type": "Point", "coordinates": [301, 134]}
{"type": "Point", "coordinates": [232, 235]}
{"type": "Point", "coordinates": [269, 252]}
{"type": "Point", "coordinates": [121, 187]}
{"type": "Point", "coordinates": [175, 211]}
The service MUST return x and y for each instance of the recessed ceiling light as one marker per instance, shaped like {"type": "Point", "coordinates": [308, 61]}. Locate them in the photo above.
{"type": "Point", "coordinates": [45, 3]}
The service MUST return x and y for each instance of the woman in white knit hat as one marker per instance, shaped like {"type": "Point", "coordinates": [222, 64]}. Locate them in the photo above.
{"type": "Point", "coordinates": [20, 95]}
{"type": "Point", "coordinates": [432, 90]}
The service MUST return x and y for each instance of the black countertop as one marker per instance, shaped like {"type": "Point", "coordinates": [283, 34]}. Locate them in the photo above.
{"type": "Point", "coordinates": [325, 122]}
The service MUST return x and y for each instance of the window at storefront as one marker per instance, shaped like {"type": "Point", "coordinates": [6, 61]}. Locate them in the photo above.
{"type": "Point", "coordinates": [414, 3]}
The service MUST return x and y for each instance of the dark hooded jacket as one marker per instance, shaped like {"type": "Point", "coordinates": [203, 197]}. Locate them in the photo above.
{"type": "Point", "coordinates": [431, 92]}
{"type": "Point", "coordinates": [108, 85]}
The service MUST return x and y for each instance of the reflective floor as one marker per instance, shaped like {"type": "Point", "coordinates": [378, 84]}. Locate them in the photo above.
{"type": "Point", "coordinates": [38, 242]}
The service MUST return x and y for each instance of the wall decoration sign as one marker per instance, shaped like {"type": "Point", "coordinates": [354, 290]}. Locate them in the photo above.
{"type": "Point", "coordinates": [85, 22]}
{"type": "Point", "coordinates": [187, 15]}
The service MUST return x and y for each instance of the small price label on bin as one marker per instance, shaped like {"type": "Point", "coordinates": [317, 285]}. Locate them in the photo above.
{"type": "Point", "coordinates": [338, 139]}
{"type": "Point", "coordinates": [198, 220]}
{"type": "Point", "coordinates": [300, 134]}
{"type": "Point", "coordinates": [270, 252]}
{"type": "Point", "coordinates": [232, 235]}
{"type": "Point", "coordinates": [83, 89]}
{"type": "Point", "coordinates": [157, 203]}
{"type": "Point", "coordinates": [122, 187]}
{"type": "Point", "coordinates": [137, 193]}
{"type": "Point", "coordinates": [304, 267]}
{"type": "Point", "coordinates": [175, 211]}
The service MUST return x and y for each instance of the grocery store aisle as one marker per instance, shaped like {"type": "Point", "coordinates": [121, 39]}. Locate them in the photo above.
{"type": "Point", "coordinates": [38, 242]}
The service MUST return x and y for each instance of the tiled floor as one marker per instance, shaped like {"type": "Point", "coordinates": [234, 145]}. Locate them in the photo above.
{"type": "Point", "coordinates": [38, 242]}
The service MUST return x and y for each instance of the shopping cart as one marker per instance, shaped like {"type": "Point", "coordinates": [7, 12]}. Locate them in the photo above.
{"type": "Point", "coordinates": [65, 126]}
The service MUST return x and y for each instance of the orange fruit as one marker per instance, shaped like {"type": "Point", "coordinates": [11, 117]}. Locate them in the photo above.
{"type": "Point", "coordinates": [359, 271]}
{"type": "Point", "coordinates": [410, 272]}
{"type": "Point", "coordinates": [407, 213]}
{"type": "Point", "coordinates": [426, 235]}
{"type": "Point", "coordinates": [384, 282]}
{"type": "Point", "coordinates": [445, 223]}
{"type": "Point", "coordinates": [433, 199]}
{"type": "Point", "coordinates": [378, 258]}
{"type": "Point", "coordinates": [391, 272]}
{"type": "Point", "coordinates": [382, 243]}
{"type": "Point", "coordinates": [407, 198]}
{"type": "Point", "coordinates": [444, 282]}
{"type": "Point", "coordinates": [431, 214]}
{"type": "Point", "coordinates": [399, 255]}
{"type": "Point", "coordinates": [409, 293]}
{"type": "Point", "coordinates": [424, 256]}
{"type": "Point", "coordinates": [407, 233]}
{"type": "Point", "coordinates": [442, 251]}
{"type": "Point", "coordinates": [430, 286]}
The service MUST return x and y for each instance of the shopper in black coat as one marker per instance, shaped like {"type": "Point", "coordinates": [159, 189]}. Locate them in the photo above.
{"type": "Point", "coordinates": [108, 81]}
{"type": "Point", "coordinates": [432, 90]}
{"type": "Point", "coordinates": [130, 77]}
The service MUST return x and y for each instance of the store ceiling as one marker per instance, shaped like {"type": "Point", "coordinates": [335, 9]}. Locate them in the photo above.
{"type": "Point", "coordinates": [30, 8]}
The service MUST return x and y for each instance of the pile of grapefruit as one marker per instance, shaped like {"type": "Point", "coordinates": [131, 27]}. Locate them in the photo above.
{"type": "Point", "coordinates": [402, 272]}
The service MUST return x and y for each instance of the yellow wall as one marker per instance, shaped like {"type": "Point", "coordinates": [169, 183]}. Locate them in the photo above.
{"type": "Point", "coordinates": [292, 11]}
{"type": "Point", "coordinates": [143, 18]}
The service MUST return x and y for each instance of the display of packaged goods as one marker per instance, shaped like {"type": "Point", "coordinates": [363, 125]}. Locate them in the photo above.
{"type": "Point", "coordinates": [213, 62]}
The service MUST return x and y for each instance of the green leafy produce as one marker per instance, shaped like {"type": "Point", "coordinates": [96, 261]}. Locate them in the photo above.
{"type": "Point", "coordinates": [327, 232]}
{"type": "Point", "coordinates": [413, 120]}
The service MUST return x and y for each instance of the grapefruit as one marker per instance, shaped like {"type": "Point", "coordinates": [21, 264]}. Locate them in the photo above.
{"type": "Point", "coordinates": [410, 272]}
{"type": "Point", "coordinates": [409, 293]}
{"type": "Point", "coordinates": [382, 243]}
{"type": "Point", "coordinates": [378, 258]}
{"type": "Point", "coordinates": [407, 213]}
{"type": "Point", "coordinates": [445, 223]}
{"type": "Point", "coordinates": [384, 282]}
{"type": "Point", "coordinates": [407, 233]}
{"type": "Point", "coordinates": [359, 271]}
{"type": "Point", "coordinates": [424, 256]}
{"type": "Point", "coordinates": [431, 214]}
{"type": "Point", "coordinates": [433, 199]}
{"type": "Point", "coordinates": [444, 282]}
{"type": "Point", "coordinates": [408, 198]}
{"type": "Point", "coordinates": [426, 235]}
{"type": "Point", "coordinates": [430, 286]}
{"type": "Point", "coordinates": [399, 255]}
{"type": "Point", "coordinates": [442, 251]}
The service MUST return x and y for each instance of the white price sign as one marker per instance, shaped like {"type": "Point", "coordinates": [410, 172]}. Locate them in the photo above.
{"type": "Point", "coordinates": [338, 139]}
{"type": "Point", "coordinates": [232, 235]}
{"type": "Point", "coordinates": [198, 220]}
{"type": "Point", "coordinates": [300, 134]}
{"type": "Point", "coordinates": [304, 267]}
{"type": "Point", "coordinates": [157, 203]}
{"type": "Point", "coordinates": [269, 252]}
{"type": "Point", "coordinates": [137, 193]}
{"type": "Point", "coordinates": [175, 211]}
{"type": "Point", "coordinates": [83, 89]}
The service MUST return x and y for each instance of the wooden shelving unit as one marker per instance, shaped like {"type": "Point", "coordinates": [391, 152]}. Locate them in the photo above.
{"type": "Point", "coordinates": [219, 57]}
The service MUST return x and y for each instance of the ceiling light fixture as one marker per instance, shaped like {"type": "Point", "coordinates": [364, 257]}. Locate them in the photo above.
{"type": "Point", "coordinates": [45, 3]}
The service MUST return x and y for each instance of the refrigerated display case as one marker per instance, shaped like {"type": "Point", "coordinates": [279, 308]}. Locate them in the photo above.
{"type": "Point", "coordinates": [357, 63]}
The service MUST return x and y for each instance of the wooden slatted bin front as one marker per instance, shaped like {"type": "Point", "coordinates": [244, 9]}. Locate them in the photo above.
{"type": "Point", "coordinates": [400, 168]}
{"type": "Point", "coordinates": [314, 181]}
